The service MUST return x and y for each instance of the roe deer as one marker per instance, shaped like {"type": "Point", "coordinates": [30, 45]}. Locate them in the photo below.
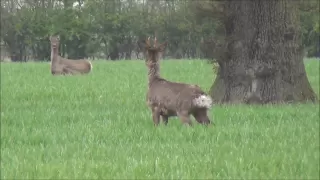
{"type": "Point", "coordinates": [63, 66]}
{"type": "Point", "coordinates": [166, 98]}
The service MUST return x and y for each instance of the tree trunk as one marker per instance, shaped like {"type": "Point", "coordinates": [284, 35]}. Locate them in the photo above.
{"type": "Point", "coordinates": [114, 54]}
{"type": "Point", "coordinates": [261, 58]}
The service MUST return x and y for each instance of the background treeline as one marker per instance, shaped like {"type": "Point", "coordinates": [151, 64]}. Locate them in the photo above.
{"type": "Point", "coordinates": [110, 29]}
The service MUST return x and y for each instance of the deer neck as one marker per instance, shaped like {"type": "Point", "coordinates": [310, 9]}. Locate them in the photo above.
{"type": "Point", "coordinates": [54, 55]}
{"type": "Point", "coordinates": [153, 71]}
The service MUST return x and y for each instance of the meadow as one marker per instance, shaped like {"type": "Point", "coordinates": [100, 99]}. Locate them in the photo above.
{"type": "Point", "coordinates": [98, 126]}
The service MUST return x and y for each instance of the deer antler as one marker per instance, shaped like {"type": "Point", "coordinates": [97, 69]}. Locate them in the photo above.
{"type": "Point", "coordinates": [155, 42]}
{"type": "Point", "coordinates": [148, 42]}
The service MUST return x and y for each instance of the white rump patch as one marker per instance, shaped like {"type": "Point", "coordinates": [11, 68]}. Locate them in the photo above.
{"type": "Point", "coordinates": [90, 65]}
{"type": "Point", "coordinates": [204, 101]}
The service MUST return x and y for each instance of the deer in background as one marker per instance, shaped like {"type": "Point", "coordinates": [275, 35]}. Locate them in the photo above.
{"type": "Point", "coordinates": [166, 98]}
{"type": "Point", "coordinates": [63, 66]}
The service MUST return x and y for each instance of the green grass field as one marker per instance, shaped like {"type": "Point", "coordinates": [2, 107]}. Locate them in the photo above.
{"type": "Point", "coordinates": [98, 126]}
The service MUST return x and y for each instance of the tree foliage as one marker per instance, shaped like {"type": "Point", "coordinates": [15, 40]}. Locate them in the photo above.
{"type": "Point", "coordinates": [109, 29]}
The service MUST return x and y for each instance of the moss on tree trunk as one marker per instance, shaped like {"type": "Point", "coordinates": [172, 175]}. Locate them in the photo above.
{"type": "Point", "coordinates": [261, 58]}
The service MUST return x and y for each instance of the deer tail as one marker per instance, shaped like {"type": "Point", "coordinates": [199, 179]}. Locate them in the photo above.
{"type": "Point", "coordinates": [90, 66]}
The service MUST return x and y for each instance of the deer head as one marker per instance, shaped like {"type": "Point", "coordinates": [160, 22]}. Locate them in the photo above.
{"type": "Point", "coordinates": [152, 52]}
{"type": "Point", "coordinates": [55, 40]}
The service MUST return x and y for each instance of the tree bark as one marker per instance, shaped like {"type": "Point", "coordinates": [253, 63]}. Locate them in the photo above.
{"type": "Point", "coordinates": [261, 58]}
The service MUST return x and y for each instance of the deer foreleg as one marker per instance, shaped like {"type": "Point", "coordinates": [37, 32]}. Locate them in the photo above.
{"type": "Point", "coordinates": [165, 119]}
{"type": "Point", "coordinates": [156, 116]}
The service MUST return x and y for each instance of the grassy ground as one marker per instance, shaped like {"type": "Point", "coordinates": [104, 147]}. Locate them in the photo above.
{"type": "Point", "coordinates": [98, 126]}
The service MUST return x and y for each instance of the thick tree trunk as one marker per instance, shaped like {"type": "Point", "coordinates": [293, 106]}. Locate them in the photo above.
{"type": "Point", "coordinates": [262, 56]}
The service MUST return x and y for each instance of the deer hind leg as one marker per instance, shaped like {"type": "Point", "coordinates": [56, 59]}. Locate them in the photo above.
{"type": "Point", "coordinates": [156, 116]}
{"type": "Point", "coordinates": [197, 117]}
{"type": "Point", "coordinates": [70, 71]}
{"type": "Point", "coordinates": [185, 118]}
{"type": "Point", "coordinates": [165, 119]}
{"type": "Point", "coordinates": [202, 117]}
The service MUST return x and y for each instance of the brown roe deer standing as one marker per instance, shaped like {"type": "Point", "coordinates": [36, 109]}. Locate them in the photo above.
{"type": "Point", "coordinates": [63, 66]}
{"type": "Point", "coordinates": [166, 98]}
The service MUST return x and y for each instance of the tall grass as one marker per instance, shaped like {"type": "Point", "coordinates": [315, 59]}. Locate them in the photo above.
{"type": "Point", "coordinates": [98, 126]}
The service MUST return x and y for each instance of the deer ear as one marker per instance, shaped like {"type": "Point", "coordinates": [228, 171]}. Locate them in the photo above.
{"type": "Point", "coordinates": [162, 46]}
